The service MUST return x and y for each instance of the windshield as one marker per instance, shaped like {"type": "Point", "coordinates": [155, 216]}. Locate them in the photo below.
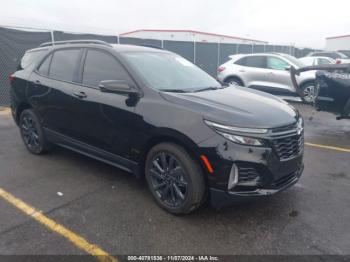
{"type": "Point", "coordinates": [170, 72]}
{"type": "Point", "coordinates": [343, 56]}
{"type": "Point", "coordinates": [333, 55]}
{"type": "Point", "coordinates": [294, 60]}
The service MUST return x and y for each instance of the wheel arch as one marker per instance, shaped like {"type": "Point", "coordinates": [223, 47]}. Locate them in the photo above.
{"type": "Point", "coordinates": [234, 76]}
{"type": "Point", "coordinates": [307, 81]}
{"type": "Point", "coordinates": [171, 136]}
{"type": "Point", "coordinates": [20, 108]}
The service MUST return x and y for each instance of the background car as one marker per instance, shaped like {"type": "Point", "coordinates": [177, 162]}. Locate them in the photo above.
{"type": "Point", "coordinates": [267, 72]}
{"type": "Point", "coordinates": [332, 92]}
{"type": "Point", "coordinates": [317, 60]}
{"type": "Point", "coordinates": [338, 56]}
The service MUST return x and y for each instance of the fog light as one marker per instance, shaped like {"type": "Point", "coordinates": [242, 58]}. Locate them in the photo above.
{"type": "Point", "coordinates": [233, 179]}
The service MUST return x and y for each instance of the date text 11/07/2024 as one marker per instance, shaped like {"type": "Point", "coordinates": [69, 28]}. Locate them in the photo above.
{"type": "Point", "coordinates": [173, 258]}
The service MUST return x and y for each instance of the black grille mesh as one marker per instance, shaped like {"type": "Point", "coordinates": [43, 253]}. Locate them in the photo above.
{"type": "Point", "coordinates": [289, 147]}
{"type": "Point", "coordinates": [248, 176]}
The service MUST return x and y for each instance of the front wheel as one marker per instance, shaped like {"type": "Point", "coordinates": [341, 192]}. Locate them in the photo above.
{"type": "Point", "coordinates": [309, 92]}
{"type": "Point", "coordinates": [174, 178]}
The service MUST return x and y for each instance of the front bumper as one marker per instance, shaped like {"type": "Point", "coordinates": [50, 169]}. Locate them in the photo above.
{"type": "Point", "coordinates": [245, 172]}
{"type": "Point", "coordinates": [222, 198]}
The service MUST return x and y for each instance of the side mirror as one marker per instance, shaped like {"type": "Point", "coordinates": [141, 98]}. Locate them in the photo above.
{"type": "Point", "coordinates": [116, 86]}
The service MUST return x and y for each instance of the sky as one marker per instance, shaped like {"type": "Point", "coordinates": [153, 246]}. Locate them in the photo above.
{"type": "Point", "coordinates": [305, 23]}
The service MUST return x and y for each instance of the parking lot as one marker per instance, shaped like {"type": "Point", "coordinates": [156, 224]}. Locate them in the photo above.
{"type": "Point", "coordinates": [93, 202]}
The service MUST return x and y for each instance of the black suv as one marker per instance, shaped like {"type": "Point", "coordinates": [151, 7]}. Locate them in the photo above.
{"type": "Point", "coordinates": [155, 114]}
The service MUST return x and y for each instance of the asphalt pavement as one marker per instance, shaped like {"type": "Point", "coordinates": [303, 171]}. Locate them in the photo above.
{"type": "Point", "coordinates": [113, 210]}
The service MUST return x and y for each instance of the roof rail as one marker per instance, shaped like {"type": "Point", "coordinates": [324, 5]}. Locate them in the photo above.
{"type": "Point", "coordinates": [151, 46]}
{"type": "Point", "coordinates": [75, 42]}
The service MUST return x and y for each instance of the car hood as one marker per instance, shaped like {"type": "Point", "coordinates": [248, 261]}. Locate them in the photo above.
{"type": "Point", "coordinates": [237, 106]}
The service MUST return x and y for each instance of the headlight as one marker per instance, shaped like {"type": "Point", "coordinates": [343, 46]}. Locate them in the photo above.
{"type": "Point", "coordinates": [236, 129]}
{"type": "Point", "coordinates": [245, 139]}
{"type": "Point", "coordinates": [300, 126]}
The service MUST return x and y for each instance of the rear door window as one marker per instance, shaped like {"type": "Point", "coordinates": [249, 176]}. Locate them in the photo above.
{"type": "Point", "coordinates": [64, 64]}
{"type": "Point", "coordinates": [100, 65]}
{"type": "Point", "coordinates": [253, 61]}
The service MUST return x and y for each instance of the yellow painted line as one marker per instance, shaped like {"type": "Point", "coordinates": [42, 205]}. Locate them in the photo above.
{"type": "Point", "coordinates": [329, 147]}
{"type": "Point", "coordinates": [77, 240]}
{"type": "Point", "coordinates": [5, 111]}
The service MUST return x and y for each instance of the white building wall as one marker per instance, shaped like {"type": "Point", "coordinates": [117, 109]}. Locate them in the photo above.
{"type": "Point", "coordinates": [339, 43]}
{"type": "Point", "coordinates": [189, 36]}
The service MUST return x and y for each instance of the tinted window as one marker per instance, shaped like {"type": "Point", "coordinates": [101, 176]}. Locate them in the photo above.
{"type": "Point", "coordinates": [276, 63]}
{"type": "Point", "coordinates": [101, 66]}
{"type": "Point", "coordinates": [253, 61]}
{"type": "Point", "coordinates": [64, 64]}
{"type": "Point", "coordinates": [30, 57]}
{"type": "Point", "coordinates": [327, 54]}
{"type": "Point", "coordinates": [332, 55]}
{"type": "Point", "coordinates": [44, 67]}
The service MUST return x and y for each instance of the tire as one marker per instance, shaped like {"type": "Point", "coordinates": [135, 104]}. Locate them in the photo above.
{"type": "Point", "coordinates": [308, 90]}
{"type": "Point", "coordinates": [234, 81]}
{"type": "Point", "coordinates": [179, 189]}
{"type": "Point", "coordinates": [32, 133]}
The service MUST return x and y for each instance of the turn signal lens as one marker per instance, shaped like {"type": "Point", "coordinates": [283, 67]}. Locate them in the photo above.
{"type": "Point", "coordinates": [207, 164]}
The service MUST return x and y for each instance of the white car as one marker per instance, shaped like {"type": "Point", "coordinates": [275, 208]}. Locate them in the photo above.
{"type": "Point", "coordinates": [339, 57]}
{"type": "Point", "coordinates": [268, 72]}
{"type": "Point", "coordinates": [317, 60]}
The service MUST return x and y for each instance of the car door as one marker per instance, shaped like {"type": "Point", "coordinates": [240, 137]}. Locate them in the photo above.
{"type": "Point", "coordinates": [102, 119]}
{"type": "Point", "coordinates": [51, 89]}
{"type": "Point", "coordinates": [252, 70]}
{"type": "Point", "coordinates": [278, 77]}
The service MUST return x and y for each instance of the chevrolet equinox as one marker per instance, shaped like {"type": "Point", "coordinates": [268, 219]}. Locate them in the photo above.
{"type": "Point", "coordinates": [155, 114]}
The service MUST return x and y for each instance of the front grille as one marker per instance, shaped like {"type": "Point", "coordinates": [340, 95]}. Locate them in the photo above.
{"type": "Point", "coordinates": [248, 176]}
{"type": "Point", "coordinates": [285, 128]}
{"type": "Point", "coordinates": [289, 147]}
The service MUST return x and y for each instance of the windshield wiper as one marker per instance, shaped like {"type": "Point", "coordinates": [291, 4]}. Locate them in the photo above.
{"type": "Point", "coordinates": [206, 89]}
{"type": "Point", "coordinates": [173, 90]}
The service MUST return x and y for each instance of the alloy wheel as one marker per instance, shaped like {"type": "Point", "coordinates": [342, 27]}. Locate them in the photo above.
{"type": "Point", "coordinates": [309, 93]}
{"type": "Point", "coordinates": [168, 179]}
{"type": "Point", "coordinates": [234, 82]}
{"type": "Point", "coordinates": [30, 132]}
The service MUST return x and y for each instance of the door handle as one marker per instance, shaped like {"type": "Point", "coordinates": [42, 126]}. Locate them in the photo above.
{"type": "Point", "coordinates": [80, 94]}
{"type": "Point", "coordinates": [37, 82]}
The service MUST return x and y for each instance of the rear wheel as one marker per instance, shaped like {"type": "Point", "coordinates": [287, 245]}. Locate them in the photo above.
{"type": "Point", "coordinates": [32, 133]}
{"type": "Point", "coordinates": [174, 178]}
{"type": "Point", "coordinates": [234, 81]}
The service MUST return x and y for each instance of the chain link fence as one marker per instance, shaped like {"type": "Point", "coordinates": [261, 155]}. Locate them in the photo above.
{"type": "Point", "coordinates": [208, 56]}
